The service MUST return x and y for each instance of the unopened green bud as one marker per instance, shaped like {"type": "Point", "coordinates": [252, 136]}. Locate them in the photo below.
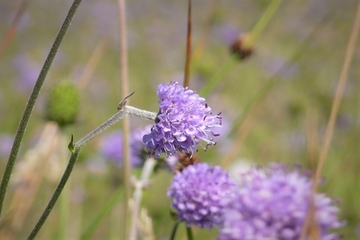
{"type": "Point", "coordinates": [63, 103]}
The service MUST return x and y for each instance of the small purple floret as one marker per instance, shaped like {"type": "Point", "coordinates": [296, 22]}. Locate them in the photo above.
{"type": "Point", "coordinates": [184, 119]}
{"type": "Point", "coordinates": [273, 204]}
{"type": "Point", "coordinates": [200, 192]}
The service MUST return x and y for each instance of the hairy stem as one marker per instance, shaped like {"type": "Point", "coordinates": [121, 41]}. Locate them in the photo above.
{"type": "Point", "coordinates": [139, 186]}
{"type": "Point", "coordinates": [56, 194]}
{"type": "Point", "coordinates": [31, 102]}
{"type": "Point", "coordinates": [126, 111]}
{"type": "Point", "coordinates": [75, 149]}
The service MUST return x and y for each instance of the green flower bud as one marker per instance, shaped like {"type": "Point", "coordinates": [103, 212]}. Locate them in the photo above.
{"type": "Point", "coordinates": [63, 103]}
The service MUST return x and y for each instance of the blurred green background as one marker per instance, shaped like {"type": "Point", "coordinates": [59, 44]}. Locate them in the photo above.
{"type": "Point", "coordinates": [276, 103]}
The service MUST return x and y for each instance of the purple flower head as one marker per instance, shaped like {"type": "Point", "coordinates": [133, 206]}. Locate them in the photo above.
{"type": "Point", "coordinates": [183, 120]}
{"type": "Point", "coordinates": [273, 204]}
{"type": "Point", "coordinates": [28, 70]}
{"type": "Point", "coordinates": [200, 192]}
{"type": "Point", "coordinates": [139, 153]}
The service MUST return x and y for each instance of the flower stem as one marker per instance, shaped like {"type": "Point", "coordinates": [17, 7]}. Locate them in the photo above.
{"type": "Point", "coordinates": [139, 186]}
{"type": "Point", "coordinates": [174, 229]}
{"type": "Point", "coordinates": [189, 233]}
{"type": "Point", "coordinates": [75, 149]}
{"type": "Point", "coordinates": [55, 196]}
{"type": "Point", "coordinates": [263, 22]}
{"type": "Point", "coordinates": [209, 87]}
{"type": "Point", "coordinates": [31, 102]}
{"type": "Point", "coordinates": [126, 111]}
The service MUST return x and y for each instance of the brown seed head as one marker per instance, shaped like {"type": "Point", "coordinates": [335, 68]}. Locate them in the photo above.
{"type": "Point", "coordinates": [241, 47]}
{"type": "Point", "coordinates": [186, 159]}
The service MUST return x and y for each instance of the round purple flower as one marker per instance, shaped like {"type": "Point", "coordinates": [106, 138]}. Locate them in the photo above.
{"type": "Point", "coordinates": [200, 192]}
{"type": "Point", "coordinates": [139, 152]}
{"type": "Point", "coordinates": [183, 120]}
{"type": "Point", "coordinates": [273, 204]}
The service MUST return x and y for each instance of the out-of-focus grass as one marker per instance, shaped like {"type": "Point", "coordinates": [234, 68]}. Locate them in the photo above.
{"type": "Point", "coordinates": [156, 54]}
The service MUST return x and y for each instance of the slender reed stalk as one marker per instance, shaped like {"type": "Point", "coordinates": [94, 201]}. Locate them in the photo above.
{"type": "Point", "coordinates": [350, 50]}
{"type": "Point", "coordinates": [139, 186]}
{"type": "Point", "coordinates": [31, 102]}
{"type": "Point", "coordinates": [93, 61]}
{"type": "Point", "coordinates": [188, 48]}
{"type": "Point", "coordinates": [126, 124]}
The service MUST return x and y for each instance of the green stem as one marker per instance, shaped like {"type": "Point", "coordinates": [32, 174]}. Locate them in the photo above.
{"type": "Point", "coordinates": [75, 149]}
{"type": "Point", "coordinates": [189, 233]}
{"type": "Point", "coordinates": [55, 196]}
{"type": "Point", "coordinates": [65, 196]}
{"type": "Point", "coordinates": [211, 84]}
{"type": "Point", "coordinates": [174, 229]}
{"type": "Point", "coordinates": [272, 81]}
{"type": "Point", "coordinates": [263, 22]}
{"type": "Point", "coordinates": [31, 102]}
{"type": "Point", "coordinates": [107, 207]}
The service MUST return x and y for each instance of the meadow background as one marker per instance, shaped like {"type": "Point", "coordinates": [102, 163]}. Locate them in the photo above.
{"type": "Point", "coordinates": [275, 104]}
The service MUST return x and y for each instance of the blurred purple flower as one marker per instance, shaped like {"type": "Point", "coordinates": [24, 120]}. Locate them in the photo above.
{"type": "Point", "coordinates": [200, 192]}
{"type": "Point", "coordinates": [28, 71]}
{"type": "Point", "coordinates": [138, 150]}
{"type": "Point", "coordinates": [273, 204]}
{"type": "Point", "coordinates": [111, 147]}
{"type": "Point", "coordinates": [183, 120]}
{"type": "Point", "coordinates": [227, 33]}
